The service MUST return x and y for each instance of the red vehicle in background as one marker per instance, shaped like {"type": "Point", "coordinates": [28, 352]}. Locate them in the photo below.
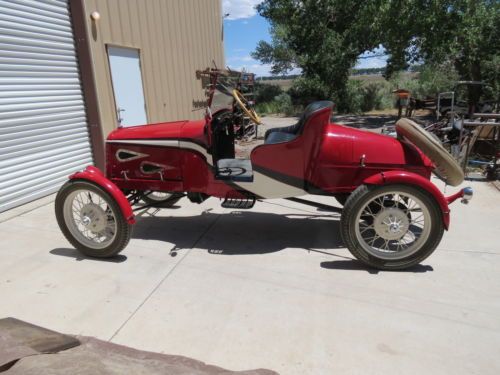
{"type": "Point", "coordinates": [393, 217]}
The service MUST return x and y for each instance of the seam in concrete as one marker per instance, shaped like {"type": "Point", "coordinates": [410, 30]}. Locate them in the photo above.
{"type": "Point", "coordinates": [163, 279]}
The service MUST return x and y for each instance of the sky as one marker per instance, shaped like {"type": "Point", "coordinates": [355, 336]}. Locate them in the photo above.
{"type": "Point", "coordinates": [244, 28]}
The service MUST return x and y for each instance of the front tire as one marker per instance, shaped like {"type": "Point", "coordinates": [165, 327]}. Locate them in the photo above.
{"type": "Point", "coordinates": [91, 220]}
{"type": "Point", "coordinates": [391, 227]}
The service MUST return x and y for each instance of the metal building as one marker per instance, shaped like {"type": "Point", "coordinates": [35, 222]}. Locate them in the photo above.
{"type": "Point", "coordinates": [72, 70]}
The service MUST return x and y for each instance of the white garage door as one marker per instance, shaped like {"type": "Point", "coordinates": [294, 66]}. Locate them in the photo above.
{"type": "Point", "coordinates": [43, 129]}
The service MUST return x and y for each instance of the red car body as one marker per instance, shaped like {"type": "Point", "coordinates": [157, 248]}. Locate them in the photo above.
{"type": "Point", "coordinates": [325, 159]}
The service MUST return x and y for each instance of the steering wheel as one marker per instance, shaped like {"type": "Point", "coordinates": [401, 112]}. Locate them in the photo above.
{"type": "Point", "coordinates": [243, 104]}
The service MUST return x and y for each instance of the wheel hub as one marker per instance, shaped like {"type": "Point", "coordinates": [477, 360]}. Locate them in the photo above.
{"type": "Point", "coordinates": [391, 223]}
{"type": "Point", "coordinates": [93, 217]}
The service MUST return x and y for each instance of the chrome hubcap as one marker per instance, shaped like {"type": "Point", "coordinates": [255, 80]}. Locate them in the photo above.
{"type": "Point", "coordinates": [93, 217]}
{"type": "Point", "coordinates": [86, 221]}
{"type": "Point", "coordinates": [391, 223]}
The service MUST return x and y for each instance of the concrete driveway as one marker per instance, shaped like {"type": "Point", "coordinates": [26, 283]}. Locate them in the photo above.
{"type": "Point", "coordinates": [272, 287]}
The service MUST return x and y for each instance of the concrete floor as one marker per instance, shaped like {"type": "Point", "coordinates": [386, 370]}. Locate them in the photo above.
{"type": "Point", "coordinates": [272, 287]}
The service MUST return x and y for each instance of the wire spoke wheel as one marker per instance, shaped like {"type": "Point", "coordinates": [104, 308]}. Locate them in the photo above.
{"type": "Point", "coordinates": [161, 199]}
{"type": "Point", "coordinates": [91, 219]}
{"type": "Point", "coordinates": [393, 226]}
{"type": "Point", "coordinates": [159, 196]}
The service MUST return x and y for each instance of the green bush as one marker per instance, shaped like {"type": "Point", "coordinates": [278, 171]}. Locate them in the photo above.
{"type": "Point", "coordinates": [376, 95]}
{"type": "Point", "coordinates": [284, 104]}
{"type": "Point", "coordinates": [267, 108]}
{"type": "Point", "coordinates": [351, 99]}
{"type": "Point", "coordinates": [356, 98]}
{"type": "Point", "coordinates": [265, 93]}
{"type": "Point", "coordinates": [306, 90]}
{"type": "Point", "coordinates": [363, 96]}
{"type": "Point", "coordinates": [491, 75]}
{"type": "Point", "coordinates": [432, 80]}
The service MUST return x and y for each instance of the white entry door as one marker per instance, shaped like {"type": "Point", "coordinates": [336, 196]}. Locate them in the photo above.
{"type": "Point", "coordinates": [126, 77]}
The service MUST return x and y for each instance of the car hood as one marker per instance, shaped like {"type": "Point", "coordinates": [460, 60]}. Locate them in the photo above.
{"type": "Point", "coordinates": [164, 130]}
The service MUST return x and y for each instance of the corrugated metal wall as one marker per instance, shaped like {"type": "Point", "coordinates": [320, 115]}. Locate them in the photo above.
{"type": "Point", "coordinates": [175, 38]}
{"type": "Point", "coordinates": [43, 127]}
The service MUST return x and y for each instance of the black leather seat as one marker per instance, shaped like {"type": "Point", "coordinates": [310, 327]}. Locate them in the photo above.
{"type": "Point", "coordinates": [288, 133]}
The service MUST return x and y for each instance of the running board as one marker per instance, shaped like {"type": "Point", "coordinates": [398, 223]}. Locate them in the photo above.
{"type": "Point", "coordinates": [240, 203]}
{"type": "Point", "coordinates": [322, 206]}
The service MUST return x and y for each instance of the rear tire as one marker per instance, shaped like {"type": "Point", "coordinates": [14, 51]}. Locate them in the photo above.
{"type": "Point", "coordinates": [161, 199]}
{"type": "Point", "coordinates": [91, 220]}
{"type": "Point", "coordinates": [391, 227]}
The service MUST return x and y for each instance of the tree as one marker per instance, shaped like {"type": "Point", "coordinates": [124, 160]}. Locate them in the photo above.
{"type": "Point", "coordinates": [322, 37]}
{"type": "Point", "coordinates": [325, 37]}
{"type": "Point", "coordinates": [463, 32]}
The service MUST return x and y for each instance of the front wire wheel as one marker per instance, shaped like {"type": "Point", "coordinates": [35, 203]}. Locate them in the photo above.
{"type": "Point", "coordinates": [391, 227]}
{"type": "Point", "coordinates": [91, 220]}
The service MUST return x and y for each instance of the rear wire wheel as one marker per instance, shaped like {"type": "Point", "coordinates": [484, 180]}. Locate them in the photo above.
{"type": "Point", "coordinates": [91, 220]}
{"type": "Point", "coordinates": [391, 227]}
{"type": "Point", "coordinates": [161, 199]}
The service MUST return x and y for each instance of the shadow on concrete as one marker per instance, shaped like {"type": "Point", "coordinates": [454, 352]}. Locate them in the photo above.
{"type": "Point", "coordinates": [72, 253]}
{"type": "Point", "coordinates": [244, 232]}
{"type": "Point", "coordinates": [356, 265]}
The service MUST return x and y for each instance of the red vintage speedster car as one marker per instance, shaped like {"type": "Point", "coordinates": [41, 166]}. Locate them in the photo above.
{"type": "Point", "coordinates": [393, 216]}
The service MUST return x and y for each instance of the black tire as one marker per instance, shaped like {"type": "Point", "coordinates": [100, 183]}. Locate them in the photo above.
{"type": "Point", "coordinates": [357, 201]}
{"type": "Point", "coordinates": [123, 229]}
{"type": "Point", "coordinates": [164, 203]}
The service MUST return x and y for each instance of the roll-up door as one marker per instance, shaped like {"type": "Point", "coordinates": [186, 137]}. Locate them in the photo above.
{"type": "Point", "coordinates": [43, 130]}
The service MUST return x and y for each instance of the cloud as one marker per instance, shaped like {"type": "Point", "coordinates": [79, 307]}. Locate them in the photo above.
{"type": "Point", "coordinates": [375, 62]}
{"type": "Point", "coordinates": [241, 59]}
{"type": "Point", "coordinates": [376, 58]}
{"type": "Point", "coordinates": [238, 9]}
